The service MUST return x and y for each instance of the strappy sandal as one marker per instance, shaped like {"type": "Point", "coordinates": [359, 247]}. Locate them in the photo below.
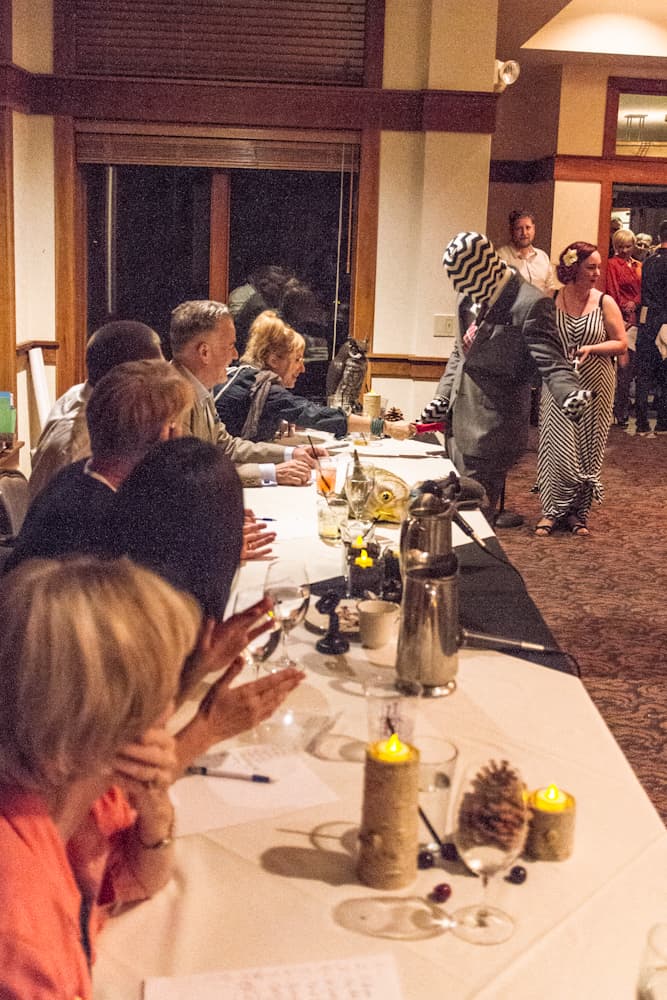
{"type": "Point", "coordinates": [544, 527]}
{"type": "Point", "coordinates": [576, 526]}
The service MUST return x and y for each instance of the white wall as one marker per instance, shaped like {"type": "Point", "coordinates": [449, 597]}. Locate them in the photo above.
{"type": "Point", "coordinates": [34, 250]}
{"type": "Point", "coordinates": [32, 35]}
{"type": "Point", "coordinates": [576, 214]}
{"type": "Point", "coordinates": [432, 185]}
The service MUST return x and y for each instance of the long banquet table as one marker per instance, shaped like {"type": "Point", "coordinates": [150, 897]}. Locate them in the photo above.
{"type": "Point", "coordinates": [270, 889]}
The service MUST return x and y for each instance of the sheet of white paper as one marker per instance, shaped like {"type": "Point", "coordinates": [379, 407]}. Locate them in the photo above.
{"type": "Point", "coordinates": [367, 978]}
{"type": "Point", "coordinates": [391, 448]}
{"type": "Point", "coordinates": [208, 803]}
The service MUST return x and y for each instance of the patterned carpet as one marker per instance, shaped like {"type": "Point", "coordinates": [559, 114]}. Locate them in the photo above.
{"type": "Point", "coordinates": [604, 596]}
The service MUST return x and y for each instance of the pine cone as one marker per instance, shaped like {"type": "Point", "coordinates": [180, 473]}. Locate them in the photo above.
{"type": "Point", "coordinates": [493, 812]}
{"type": "Point", "coordinates": [393, 414]}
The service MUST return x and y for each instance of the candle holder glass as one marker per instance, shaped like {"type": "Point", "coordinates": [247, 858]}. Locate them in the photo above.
{"type": "Point", "coordinates": [491, 827]}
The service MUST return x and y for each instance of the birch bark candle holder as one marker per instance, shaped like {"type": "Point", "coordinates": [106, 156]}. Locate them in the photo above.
{"type": "Point", "coordinates": [389, 823]}
{"type": "Point", "coordinates": [551, 830]}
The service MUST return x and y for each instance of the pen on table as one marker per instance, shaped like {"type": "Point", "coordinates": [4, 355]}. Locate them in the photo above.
{"type": "Point", "coordinates": [212, 772]}
{"type": "Point", "coordinates": [266, 519]}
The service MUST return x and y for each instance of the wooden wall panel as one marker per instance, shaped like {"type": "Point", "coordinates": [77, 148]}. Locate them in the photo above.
{"type": "Point", "coordinates": [298, 41]}
{"type": "Point", "coordinates": [219, 240]}
{"type": "Point", "coordinates": [69, 236]}
{"type": "Point", "coordinates": [364, 261]}
{"type": "Point", "coordinates": [7, 277]}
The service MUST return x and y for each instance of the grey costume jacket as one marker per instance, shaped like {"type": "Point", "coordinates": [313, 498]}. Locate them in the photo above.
{"type": "Point", "coordinates": [488, 389]}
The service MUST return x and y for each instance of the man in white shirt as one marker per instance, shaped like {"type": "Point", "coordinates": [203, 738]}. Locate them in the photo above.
{"type": "Point", "coordinates": [532, 264]}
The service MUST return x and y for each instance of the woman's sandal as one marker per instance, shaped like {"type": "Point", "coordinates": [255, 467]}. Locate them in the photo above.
{"type": "Point", "coordinates": [576, 526]}
{"type": "Point", "coordinates": [544, 527]}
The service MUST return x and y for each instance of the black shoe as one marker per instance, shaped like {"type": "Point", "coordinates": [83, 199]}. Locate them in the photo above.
{"type": "Point", "coordinates": [507, 519]}
{"type": "Point", "coordinates": [623, 424]}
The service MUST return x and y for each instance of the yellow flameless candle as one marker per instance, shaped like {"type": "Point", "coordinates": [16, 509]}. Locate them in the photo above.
{"type": "Point", "coordinates": [551, 799]}
{"type": "Point", "coordinates": [551, 830]}
{"type": "Point", "coordinates": [364, 560]}
{"type": "Point", "coordinates": [392, 751]}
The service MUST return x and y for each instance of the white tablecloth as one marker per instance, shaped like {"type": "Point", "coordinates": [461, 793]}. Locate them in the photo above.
{"type": "Point", "coordinates": [266, 892]}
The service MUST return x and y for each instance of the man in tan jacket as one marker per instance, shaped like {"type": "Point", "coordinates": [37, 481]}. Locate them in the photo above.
{"type": "Point", "coordinates": [203, 343]}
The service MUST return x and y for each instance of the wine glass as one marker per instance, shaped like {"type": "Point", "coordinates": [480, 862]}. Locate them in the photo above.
{"type": "Point", "coordinates": [491, 826]}
{"type": "Point", "coordinates": [287, 586]}
{"type": "Point", "coordinates": [264, 645]}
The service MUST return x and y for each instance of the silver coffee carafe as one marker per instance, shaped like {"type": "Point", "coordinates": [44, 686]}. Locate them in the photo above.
{"type": "Point", "coordinates": [428, 633]}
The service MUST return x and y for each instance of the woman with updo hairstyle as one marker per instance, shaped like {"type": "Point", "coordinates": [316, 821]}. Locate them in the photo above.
{"type": "Point", "coordinates": [257, 396]}
{"type": "Point", "coordinates": [90, 658]}
{"type": "Point", "coordinates": [570, 455]}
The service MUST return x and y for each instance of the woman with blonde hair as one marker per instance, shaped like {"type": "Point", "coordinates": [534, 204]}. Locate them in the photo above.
{"type": "Point", "coordinates": [90, 658]}
{"type": "Point", "coordinates": [257, 395]}
{"type": "Point", "coordinates": [591, 331]}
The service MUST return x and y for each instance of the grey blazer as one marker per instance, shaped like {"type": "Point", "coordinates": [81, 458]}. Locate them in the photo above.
{"type": "Point", "coordinates": [202, 421]}
{"type": "Point", "coordinates": [488, 389]}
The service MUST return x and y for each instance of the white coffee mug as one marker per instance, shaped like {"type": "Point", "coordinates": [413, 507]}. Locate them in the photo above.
{"type": "Point", "coordinates": [377, 622]}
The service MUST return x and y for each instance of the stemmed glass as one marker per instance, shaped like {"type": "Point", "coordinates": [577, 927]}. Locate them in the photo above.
{"type": "Point", "coordinates": [288, 587]}
{"type": "Point", "coordinates": [262, 646]}
{"type": "Point", "coordinates": [491, 827]}
{"type": "Point", "coordinates": [358, 488]}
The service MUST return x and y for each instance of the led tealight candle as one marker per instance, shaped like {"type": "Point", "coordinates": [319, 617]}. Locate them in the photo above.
{"type": "Point", "coordinates": [551, 831]}
{"type": "Point", "coordinates": [364, 560]}
{"type": "Point", "coordinates": [550, 799]}
{"type": "Point", "coordinates": [388, 835]}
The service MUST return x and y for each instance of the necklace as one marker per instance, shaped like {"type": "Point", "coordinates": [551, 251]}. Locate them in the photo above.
{"type": "Point", "coordinates": [579, 304]}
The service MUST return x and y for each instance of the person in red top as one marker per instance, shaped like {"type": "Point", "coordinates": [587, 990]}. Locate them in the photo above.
{"type": "Point", "coordinates": [624, 284]}
{"type": "Point", "coordinates": [90, 659]}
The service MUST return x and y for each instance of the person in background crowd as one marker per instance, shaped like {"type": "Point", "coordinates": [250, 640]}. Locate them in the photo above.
{"type": "Point", "coordinates": [651, 360]}
{"type": "Point", "coordinates": [64, 438]}
{"type": "Point", "coordinates": [257, 396]}
{"type": "Point", "coordinates": [643, 245]}
{"type": "Point", "coordinates": [180, 514]}
{"type": "Point", "coordinates": [591, 330]}
{"type": "Point", "coordinates": [131, 408]}
{"type": "Point", "coordinates": [90, 655]}
{"type": "Point", "coordinates": [203, 345]}
{"type": "Point", "coordinates": [624, 280]}
{"type": "Point", "coordinates": [506, 329]}
{"type": "Point", "coordinates": [532, 264]}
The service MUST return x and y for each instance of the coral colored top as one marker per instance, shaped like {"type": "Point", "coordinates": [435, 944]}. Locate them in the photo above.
{"type": "Point", "coordinates": [43, 935]}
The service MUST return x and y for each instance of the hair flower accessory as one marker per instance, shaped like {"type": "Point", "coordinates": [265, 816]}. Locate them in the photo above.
{"type": "Point", "coordinates": [570, 257]}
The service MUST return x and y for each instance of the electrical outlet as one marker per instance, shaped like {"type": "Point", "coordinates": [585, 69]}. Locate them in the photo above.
{"type": "Point", "coordinates": [443, 325]}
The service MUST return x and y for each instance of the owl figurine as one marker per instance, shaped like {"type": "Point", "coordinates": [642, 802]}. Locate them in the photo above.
{"type": "Point", "coordinates": [346, 374]}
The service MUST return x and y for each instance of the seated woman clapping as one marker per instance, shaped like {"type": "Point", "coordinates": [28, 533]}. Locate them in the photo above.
{"type": "Point", "coordinates": [257, 396]}
{"type": "Point", "coordinates": [90, 658]}
{"type": "Point", "coordinates": [180, 513]}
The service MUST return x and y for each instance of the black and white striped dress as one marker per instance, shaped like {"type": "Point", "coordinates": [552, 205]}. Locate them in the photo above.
{"type": "Point", "coordinates": [570, 454]}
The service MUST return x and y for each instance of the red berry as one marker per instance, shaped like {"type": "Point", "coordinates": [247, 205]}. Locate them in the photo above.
{"type": "Point", "coordinates": [441, 892]}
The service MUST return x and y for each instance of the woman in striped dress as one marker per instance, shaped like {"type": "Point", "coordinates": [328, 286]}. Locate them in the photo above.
{"type": "Point", "coordinates": [570, 455]}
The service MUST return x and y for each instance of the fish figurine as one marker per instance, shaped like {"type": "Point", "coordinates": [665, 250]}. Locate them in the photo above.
{"type": "Point", "coordinates": [388, 500]}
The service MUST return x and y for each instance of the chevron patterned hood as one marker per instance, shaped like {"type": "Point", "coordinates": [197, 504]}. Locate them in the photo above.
{"type": "Point", "coordinates": [475, 268]}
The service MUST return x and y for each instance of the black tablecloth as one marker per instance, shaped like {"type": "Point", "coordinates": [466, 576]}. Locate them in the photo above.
{"type": "Point", "coordinates": [493, 600]}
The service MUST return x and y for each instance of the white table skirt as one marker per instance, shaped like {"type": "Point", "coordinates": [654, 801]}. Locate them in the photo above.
{"type": "Point", "coordinates": [266, 892]}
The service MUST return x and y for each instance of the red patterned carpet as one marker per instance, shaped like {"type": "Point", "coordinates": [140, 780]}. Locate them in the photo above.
{"type": "Point", "coordinates": [604, 597]}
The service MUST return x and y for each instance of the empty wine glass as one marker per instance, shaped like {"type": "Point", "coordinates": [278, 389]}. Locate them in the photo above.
{"type": "Point", "coordinates": [287, 586]}
{"type": "Point", "coordinates": [491, 826]}
{"type": "Point", "coordinates": [262, 646]}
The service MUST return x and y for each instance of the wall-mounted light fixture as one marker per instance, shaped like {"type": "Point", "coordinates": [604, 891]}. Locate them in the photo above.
{"type": "Point", "coordinates": [505, 74]}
